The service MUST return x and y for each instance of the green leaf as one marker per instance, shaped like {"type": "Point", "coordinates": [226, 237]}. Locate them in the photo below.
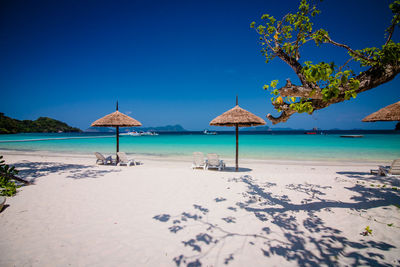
{"type": "Point", "coordinates": [274, 83]}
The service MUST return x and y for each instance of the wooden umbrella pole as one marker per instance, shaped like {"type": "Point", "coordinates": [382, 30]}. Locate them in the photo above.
{"type": "Point", "coordinates": [237, 147]}
{"type": "Point", "coordinates": [117, 143]}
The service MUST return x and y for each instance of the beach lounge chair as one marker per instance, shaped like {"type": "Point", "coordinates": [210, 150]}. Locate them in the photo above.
{"type": "Point", "coordinates": [103, 160]}
{"type": "Point", "coordinates": [123, 159]}
{"type": "Point", "coordinates": [394, 169]}
{"type": "Point", "coordinates": [198, 160]}
{"type": "Point", "coordinates": [214, 162]}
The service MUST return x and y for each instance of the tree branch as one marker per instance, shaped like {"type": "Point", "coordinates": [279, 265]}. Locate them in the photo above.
{"type": "Point", "coordinates": [369, 79]}
{"type": "Point", "coordinates": [285, 114]}
{"type": "Point", "coordinates": [376, 76]}
{"type": "Point", "coordinates": [299, 91]}
{"type": "Point", "coordinates": [294, 64]}
{"type": "Point", "coordinates": [350, 59]}
{"type": "Point", "coordinates": [391, 28]}
{"type": "Point", "coordinates": [329, 40]}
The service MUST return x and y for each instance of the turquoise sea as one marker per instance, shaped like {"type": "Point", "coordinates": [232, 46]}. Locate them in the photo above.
{"type": "Point", "coordinates": [254, 145]}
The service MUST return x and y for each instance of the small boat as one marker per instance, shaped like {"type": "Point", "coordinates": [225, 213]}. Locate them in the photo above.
{"type": "Point", "coordinates": [352, 136]}
{"type": "Point", "coordinates": [141, 133]}
{"type": "Point", "coordinates": [313, 131]}
{"type": "Point", "coordinates": [209, 133]}
{"type": "Point", "coordinates": [133, 133]}
{"type": "Point", "coordinates": [148, 133]}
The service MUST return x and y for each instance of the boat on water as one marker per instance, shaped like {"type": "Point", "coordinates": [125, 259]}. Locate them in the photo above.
{"type": "Point", "coordinates": [209, 133]}
{"type": "Point", "coordinates": [148, 133]}
{"type": "Point", "coordinates": [141, 133]}
{"type": "Point", "coordinates": [352, 136]}
{"type": "Point", "coordinates": [315, 130]}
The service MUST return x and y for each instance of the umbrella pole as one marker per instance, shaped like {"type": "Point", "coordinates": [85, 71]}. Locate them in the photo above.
{"type": "Point", "coordinates": [117, 144]}
{"type": "Point", "coordinates": [237, 147]}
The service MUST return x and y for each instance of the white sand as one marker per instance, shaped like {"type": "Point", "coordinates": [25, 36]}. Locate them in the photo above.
{"type": "Point", "coordinates": [163, 213]}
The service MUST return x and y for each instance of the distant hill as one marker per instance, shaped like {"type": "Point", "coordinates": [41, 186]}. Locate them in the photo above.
{"type": "Point", "coordinates": [267, 128]}
{"type": "Point", "coordinates": [256, 128]}
{"type": "Point", "coordinates": [42, 125]}
{"type": "Point", "coordinates": [100, 130]}
{"type": "Point", "coordinates": [168, 128]}
{"type": "Point", "coordinates": [285, 129]}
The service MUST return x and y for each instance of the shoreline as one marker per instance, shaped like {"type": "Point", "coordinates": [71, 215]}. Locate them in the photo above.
{"type": "Point", "coordinates": [50, 139]}
{"type": "Point", "coordinates": [189, 158]}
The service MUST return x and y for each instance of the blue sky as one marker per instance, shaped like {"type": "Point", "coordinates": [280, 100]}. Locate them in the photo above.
{"type": "Point", "coordinates": [169, 62]}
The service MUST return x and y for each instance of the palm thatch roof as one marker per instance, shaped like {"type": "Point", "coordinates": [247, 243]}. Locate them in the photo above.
{"type": "Point", "coordinates": [237, 116]}
{"type": "Point", "coordinates": [116, 119]}
{"type": "Point", "coordinates": [389, 113]}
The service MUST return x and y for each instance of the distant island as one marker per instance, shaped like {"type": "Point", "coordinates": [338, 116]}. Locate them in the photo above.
{"type": "Point", "coordinates": [256, 128]}
{"type": "Point", "coordinates": [167, 128]}
{"type": "Point", "coordinates": [42, 125]}
{"type": "Point", "coordinates": [267, 128]}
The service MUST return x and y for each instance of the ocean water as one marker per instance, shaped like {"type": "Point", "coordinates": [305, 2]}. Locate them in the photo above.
{"type": "Point", "coordinates": [271, 145]}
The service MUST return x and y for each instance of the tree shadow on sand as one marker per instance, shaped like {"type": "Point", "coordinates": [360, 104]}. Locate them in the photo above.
{"type": "Point", "coordinates": [30, 171]}
{"type": "Point", "coordinates": [293, 231]}
{"type": "Point", "coordinates": [372, 178]}
{"type": "Point", "coordinates": [232, 169]}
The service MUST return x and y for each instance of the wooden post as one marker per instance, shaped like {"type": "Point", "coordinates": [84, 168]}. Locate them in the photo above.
{"type": "Point", "coordinates": [237, 139]}
{"type": "Point", "coordinates": [237, 147]}
{"type": "Point", "coordinates": [117, 143]}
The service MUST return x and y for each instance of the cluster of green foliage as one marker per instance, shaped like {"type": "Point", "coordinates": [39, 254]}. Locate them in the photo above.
{"type": "Point", "coordinates": [389, 53]}
{"type": "Point", "coordinates": [8, 187]}
{"type": "Point", "coordinates": [289, 34]}
{"type": "Point", "coordinates": [373, 56]}
{"type": "Point", "coordinates": [299, 106]}
{"type": "Point", "coordinates": [42, 125]}
{"type": "Point", "coordinates": [327, 77]}
{"type": "Point", "coordinates": [284, 39]}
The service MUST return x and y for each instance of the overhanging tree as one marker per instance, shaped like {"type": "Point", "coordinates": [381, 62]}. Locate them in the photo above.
{"type": "Point", "coordinates": [322, 84]}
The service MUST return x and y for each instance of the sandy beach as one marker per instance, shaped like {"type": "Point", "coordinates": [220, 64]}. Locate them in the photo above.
{"type": "Point", "coordinates": [163, 213]}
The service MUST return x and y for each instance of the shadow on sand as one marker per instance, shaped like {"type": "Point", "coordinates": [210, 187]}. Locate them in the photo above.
{"type": "Point", "coordinates": [372, 178]}
{"type": "Point", "coordinates": [30, 171]}
{"type": "Point", "coordinates": [4, 207]}
{"type": "Point", "coordinates": [297, 234]}
{"type": "Point", "coordinates": [232, 169]}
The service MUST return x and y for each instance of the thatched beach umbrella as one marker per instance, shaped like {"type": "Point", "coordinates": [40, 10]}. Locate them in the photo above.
{"type": "Point", "coordinates": [388, 113]}
{"type": "Point", "coordinates": [237, 117]}
{"type": "Point", "coordinates": [116, 119]}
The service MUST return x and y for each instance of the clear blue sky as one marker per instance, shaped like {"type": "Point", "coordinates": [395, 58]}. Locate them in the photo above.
{"type": "Point", "coordinates": [169, 62]}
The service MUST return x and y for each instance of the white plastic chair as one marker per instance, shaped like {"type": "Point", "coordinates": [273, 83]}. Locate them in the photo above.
{"type": "Point", "coordinates": [393, 170]}
{"type": "Point", "coordinates": [103, 160]}
{"type": "Point", "coordinates": [123, 159]}
{"type": "Point", "coordinates": [198, 160]}
{"type": "Point", "coordinates": [214, 162]}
